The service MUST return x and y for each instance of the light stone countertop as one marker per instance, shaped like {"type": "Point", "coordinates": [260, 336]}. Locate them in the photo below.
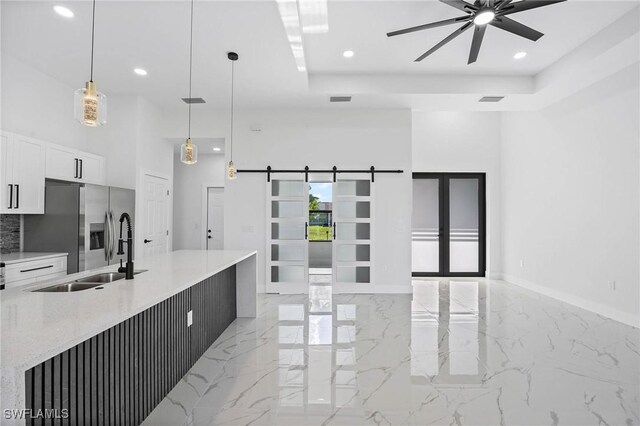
{"type": "Point", "coordinates": [27, 256]}
{"type": "Point", "coordinates": [38, 325]}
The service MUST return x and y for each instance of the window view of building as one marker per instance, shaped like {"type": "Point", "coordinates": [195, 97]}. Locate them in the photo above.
{"type": "Point", "coordinates": [320, 212]}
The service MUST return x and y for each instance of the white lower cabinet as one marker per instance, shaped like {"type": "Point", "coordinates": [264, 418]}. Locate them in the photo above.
{"type": "Point", "coordinates": [29, 272]}
{"type": "Point", "coordinates": [22, 174]}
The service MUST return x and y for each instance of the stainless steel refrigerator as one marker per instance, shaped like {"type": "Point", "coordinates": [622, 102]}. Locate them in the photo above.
{"type": "Point", "coordinates": [81, 220]}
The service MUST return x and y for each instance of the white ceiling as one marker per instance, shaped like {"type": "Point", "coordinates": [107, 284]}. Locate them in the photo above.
{"type": "Point", "coordinates": [154, 35]}
{"type": "Point", "coordinates": [362, 27]}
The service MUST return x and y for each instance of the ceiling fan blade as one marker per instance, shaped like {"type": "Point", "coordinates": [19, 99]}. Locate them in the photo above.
{"type": "Point", "coordinates": [516, 28]}
{"type": "Point", "coordinates": [461, 5]}
{"type": "Point", "coordinates": [478, 35]}
{"type": "Point", "coordinates": [523, 5]}
{"type": "Point", "coordinates": [451, 36]}
{"type": "Point", "coordinates": [431, 25]}
{"type": "Point", "coordinates": [502, 4]}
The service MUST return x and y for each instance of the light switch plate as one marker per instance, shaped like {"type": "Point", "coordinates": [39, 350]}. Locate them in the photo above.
{"type": "Point", "coordinates": [189, 318]}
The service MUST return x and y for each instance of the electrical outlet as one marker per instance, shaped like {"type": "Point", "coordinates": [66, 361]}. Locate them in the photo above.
{"type": "Point", "coordinates": [612, 285]}
{"type": "Point", "coordinates": [522, 263]}
{"type": "Point", "coordinates": [189, 318]}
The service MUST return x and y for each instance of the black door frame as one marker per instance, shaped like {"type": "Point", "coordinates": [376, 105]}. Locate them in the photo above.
{"type": "Point", "coordinates": [444, 231]}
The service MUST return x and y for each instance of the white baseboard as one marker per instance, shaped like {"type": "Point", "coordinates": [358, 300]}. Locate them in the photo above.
{"type": "Point", "coordinates": [574, 300]}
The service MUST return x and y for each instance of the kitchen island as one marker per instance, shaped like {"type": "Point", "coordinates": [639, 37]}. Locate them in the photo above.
{"type": "Point", "coordinates": [114, 349]}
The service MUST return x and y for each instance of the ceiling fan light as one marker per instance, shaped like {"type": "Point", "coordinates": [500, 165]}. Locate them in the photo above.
{"type": "Point", "coordinates": [484, 17]}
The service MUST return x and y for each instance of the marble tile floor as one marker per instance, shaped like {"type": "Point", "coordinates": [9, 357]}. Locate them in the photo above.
{"type": "Point", "coordinates": [457, 352]}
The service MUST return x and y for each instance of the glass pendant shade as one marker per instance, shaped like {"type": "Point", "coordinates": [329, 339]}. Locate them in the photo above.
{"type": "Point", "coordinates": [232, 173]}
{"type": "Point", "coordinates": [90, 106]}
{"type": "Point", "coordinates": [189, 152]}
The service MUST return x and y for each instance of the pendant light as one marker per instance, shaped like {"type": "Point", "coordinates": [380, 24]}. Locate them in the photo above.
{"type": "Point", "coordinates": [232, 173]}
{"type": "Point", "coordinates": [189, 151]}
{"type": "Point", "coordinates": [89, 105]}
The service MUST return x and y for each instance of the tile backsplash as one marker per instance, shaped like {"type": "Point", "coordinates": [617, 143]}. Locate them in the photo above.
{"type": "Point", "coordinates": [9, 233]}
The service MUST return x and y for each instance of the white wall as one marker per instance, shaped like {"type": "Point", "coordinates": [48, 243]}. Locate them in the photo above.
{"type": "Point", "coordinates": [117, 141]}
{"type": "Point", "coordinates": [188, 185]}
{"type": "Point", "coordinates": [452, 141]}
{"type": "Point", "coordinates": [571, 189]}
{"type": "Point", "coordinates": [37, 105]}
{"type": "Point", "coordinates": [322, 138]}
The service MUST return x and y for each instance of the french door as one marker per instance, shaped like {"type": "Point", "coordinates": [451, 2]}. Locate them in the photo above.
{"type": "Point", "coordinates": [352, 236]}
{"type": "Point", "coordinates": [287, 236]}
{"type": "Point", "coordinates": [448, 224]}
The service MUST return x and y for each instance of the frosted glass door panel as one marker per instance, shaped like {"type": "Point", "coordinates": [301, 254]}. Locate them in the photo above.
{"type": "Point", "coordinates": [354, 252]}
{"type": "Point", "coordinates": [286, 188]}
{"type": "Point", "coordinates": [463, 225]}
{"type": "Point", "coordinates": [353, 209]}
{"type": "Point", "coordinates": [353, 231]}
{"type": "Point", "coordinates": [287, 231]}
{"type": "Point", "coordinates": [353, 274]}
{"type": "Point", "coordinates": [425, 226]}
{"type": "Point", "coordinates": [287, 209]}
{"type": "Point", "coordinates": [287, 274]}
{"type": "Point", "coordinates": [353, 188]}
{"type": "Point", "coordinates": [290, 252]}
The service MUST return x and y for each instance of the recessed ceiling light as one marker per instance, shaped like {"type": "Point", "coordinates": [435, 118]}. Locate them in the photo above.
{"type": "Point", "coordinates": [348, 53]}
{"type": "Point", "coordinates": [484, 18]}
{"type": "Point", "coordinates": [216, 149]}
{"type": "Point", "coordinates": [519, 55]}
{"type": "Point", "coordinates": [63, 11]}
{"type": "Point", "coordinates": [140, 71]}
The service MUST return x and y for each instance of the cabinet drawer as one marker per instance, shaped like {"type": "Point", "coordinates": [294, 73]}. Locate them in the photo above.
{"type": "Point", "coordinates": [37, 268]}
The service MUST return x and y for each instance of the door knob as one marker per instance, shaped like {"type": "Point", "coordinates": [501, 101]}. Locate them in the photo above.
{"type": "Point", "coordinates": [147, 241]}
{"type": "Point", "coordinates": [209, 230]}
{"type": "Point", "coordinates": [209, 237]}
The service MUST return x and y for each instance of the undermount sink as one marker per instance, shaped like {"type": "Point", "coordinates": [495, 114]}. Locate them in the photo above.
{"type": "Point", "coordinates": [67, 287]}
{"type": "Point", "coordinates": [86, 283]}
{"type": "Point", "coordinates": [106, 277]}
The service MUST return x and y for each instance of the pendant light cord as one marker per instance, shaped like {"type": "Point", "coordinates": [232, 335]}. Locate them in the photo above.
{"type": "Point", "coordinates": [190, 66]}
{"type": "Point", "coordinates": [93, 36]}
{"type": "Point", "coordinates": [231, 144]}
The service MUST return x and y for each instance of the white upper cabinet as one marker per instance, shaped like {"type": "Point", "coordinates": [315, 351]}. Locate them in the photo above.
{"type": "Point", "coordinates": [62, 163]}
{"type": "Point", "coordinates": [72, 165]}
{"type": "Point", "coordinates": [22, 176]}
{"type": "Point", "coordinates": [24, 164]}
{"type": "Point", "coordinates": [92, 168]}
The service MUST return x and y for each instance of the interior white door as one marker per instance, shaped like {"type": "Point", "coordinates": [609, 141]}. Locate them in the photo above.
{"type": "Point", "coordinates": [155, 207]}
{"type": "Point", "coordinates": [287, 236]}
{"type": "Point", "coordinates": [353, 234]}
{"type": "Point", "coordinates": [215, 218]}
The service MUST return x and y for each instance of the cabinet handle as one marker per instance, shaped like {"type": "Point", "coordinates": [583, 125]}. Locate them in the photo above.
{"type": "Point", "coordinates": [17, 196]}
{"type": "Point", "coordinates": [80, 168]}
{"type": "Point", "coordinates": [37, 269]}
{"type": "Point", "coordinates": [10, 196]}
{"type": "Point", "coordinates": [334, 230]}
{"type": "Point", "coordinates": [306, 233]}
{"type": "Point", "coordinates": [76, 175]}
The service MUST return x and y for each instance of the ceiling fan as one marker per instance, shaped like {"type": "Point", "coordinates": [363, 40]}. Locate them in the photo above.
{"type": "Point", "coordinates": [479, 15]}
